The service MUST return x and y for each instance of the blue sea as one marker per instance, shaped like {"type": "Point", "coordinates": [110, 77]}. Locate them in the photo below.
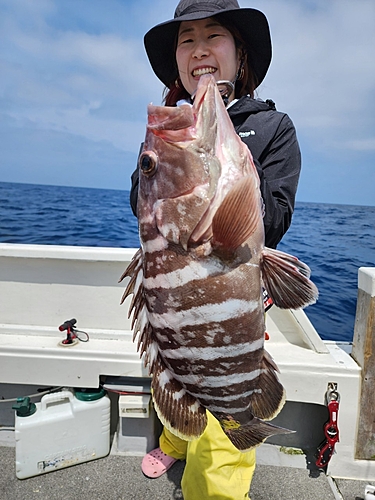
{"type": "Point", "coordinates": [334, 240]}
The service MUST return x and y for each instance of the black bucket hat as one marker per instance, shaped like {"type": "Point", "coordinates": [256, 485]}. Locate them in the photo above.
{"type": "Point", "coordinates": [251, 23]}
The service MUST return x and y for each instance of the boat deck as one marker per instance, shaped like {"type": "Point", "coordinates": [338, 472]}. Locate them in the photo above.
{"type": "Point", "coordinates": [54, 283]}
{"type": "Point", "coordinates": [120, 478]}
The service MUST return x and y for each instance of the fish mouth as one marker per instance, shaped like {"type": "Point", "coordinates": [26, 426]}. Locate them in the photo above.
{"type": "Point", "coordinates": [205, 70]}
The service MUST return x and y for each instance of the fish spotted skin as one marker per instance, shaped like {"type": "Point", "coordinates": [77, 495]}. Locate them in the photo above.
{"type": "Point", "coordinates": [197, 279]}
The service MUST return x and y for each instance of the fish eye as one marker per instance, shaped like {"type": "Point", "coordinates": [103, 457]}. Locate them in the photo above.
{"type": "Point", "coordinates": [148, 163]}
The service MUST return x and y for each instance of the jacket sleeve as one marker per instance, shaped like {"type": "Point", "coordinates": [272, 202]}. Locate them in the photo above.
{"type": "Point", "coordinates": [134, 191]}
{"type": "Point", "coordinates": [134, 188]}
{"type": "Point", "coordinates": [279, 168]}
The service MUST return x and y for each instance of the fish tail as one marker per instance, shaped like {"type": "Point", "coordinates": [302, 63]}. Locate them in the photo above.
{"type": "Point", "coordinates": [248, 436]}
{"type": "Point", "coordinates": [269, 398]}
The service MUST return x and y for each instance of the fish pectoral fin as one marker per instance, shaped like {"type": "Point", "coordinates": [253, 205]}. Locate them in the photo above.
{"type": "Point", "coordinates": [238, 215]}
{"type": "Point", "coordinates": [286, 279]}
{"type": "Point", "coordinates": [177, 410]}
{"type": "Point", "coordinates": [269, 398]}
{"type": "Point", "coordinates": [245, 437]}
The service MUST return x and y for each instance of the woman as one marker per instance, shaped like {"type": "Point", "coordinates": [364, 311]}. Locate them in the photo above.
{"type": "Point", "coordinates": [233, 44]}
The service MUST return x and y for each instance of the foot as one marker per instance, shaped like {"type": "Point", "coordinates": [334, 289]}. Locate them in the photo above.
{"type": "Point", "coordinates": [156, 463]}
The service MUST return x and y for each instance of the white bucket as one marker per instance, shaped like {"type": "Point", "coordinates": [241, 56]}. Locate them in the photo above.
{"type": "Point", "coordinates": [63, 431]}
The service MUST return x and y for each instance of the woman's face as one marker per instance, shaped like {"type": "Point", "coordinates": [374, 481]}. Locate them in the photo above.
{"type": "Point", "coordinates": [205, 46]}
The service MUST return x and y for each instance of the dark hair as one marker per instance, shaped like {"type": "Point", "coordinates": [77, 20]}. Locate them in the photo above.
{"type": "Point", "coordinates": [246, 85]}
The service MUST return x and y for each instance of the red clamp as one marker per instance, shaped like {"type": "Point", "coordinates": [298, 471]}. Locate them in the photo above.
{"type": "Point", "coordinates": [331, 430]}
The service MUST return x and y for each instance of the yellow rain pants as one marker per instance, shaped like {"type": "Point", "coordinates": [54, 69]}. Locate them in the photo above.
{"type": "Point", "coordinates": [215, 469]}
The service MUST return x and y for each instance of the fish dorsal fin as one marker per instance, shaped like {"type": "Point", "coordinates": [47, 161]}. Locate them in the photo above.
{"type": "Point", "coordinates": [135, 272]}
{"type": "Point", "coordinates": [286, 279]}
{"type": "Point", "coordinates": [238, 216]}
{"type": "Point", "coordinates": [177, 410]}
{"type": "Point", "coordinates": [140, 324]}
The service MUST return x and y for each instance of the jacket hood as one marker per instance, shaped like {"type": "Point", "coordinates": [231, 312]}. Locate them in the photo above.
{"type": "Point", "coordinates": [246, 105]}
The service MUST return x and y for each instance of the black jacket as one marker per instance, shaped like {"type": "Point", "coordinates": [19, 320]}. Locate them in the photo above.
{"type": "Point", "coordinates": [271, 138]}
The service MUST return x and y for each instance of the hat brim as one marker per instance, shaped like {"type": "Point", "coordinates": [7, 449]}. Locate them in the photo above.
{"type": "Point", "coordinates": [252, 24]}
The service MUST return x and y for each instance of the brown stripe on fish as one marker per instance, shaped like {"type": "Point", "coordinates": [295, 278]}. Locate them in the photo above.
{"type": "Point", "coordinates": [217, 353]}
{"type": "Point", "coordinates": [215, 402]}
{"type": "Point", "coordinates": [264, 397]}
{"type": "Point", "coordinates": [266, 392]}
{"type": "Point", "coordinates": [236, 383]}
{"type": "Point", "coordinates": [214, 367]}
{"type": "Point", "coordinates": [230, 401]}
{"type": "Point", "coordinates": [200, 315]}
{"type": "Point", "coordinates": [194, 295]}
{"type": "Point", "coordinates": [196, 275]}
{"type": "Point", "coordinates": [172, 258]}
{"type": "Point", "coordinates": [238, 407]}
{"type": "Point", "coordinates": [155, 245]}
{"type": "Point", "coordinates": [190, 381]}
{"type": "Point", "coordinates": [239, 386]}
{"type": "Point", "coordinates": [229, 325]}
{"type": "Point", "coordinates": [239, 383]}
{"type": "Point", "coordinates": [210, 359]}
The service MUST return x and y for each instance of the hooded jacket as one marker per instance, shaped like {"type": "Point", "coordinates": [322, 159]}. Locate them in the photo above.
{"type": "Point", "coordinates": [271, 137]}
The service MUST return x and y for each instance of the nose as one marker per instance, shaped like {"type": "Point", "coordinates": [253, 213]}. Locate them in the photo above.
{"type": "Point", "coordinates": [200, 50]}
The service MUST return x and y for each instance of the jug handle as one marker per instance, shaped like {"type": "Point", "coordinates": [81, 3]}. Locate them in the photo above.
{"type": "Point", "coordinates": [55, 397]}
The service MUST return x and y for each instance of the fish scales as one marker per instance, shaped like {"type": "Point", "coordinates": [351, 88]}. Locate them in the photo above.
{"type": "Point", "coordinates": [189, 326]}
{"type": "Point", "coordinates": [197, 280]}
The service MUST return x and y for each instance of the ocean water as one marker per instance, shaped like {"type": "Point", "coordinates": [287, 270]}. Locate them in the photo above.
{"type": "Point", "coordinates": [334, 240]}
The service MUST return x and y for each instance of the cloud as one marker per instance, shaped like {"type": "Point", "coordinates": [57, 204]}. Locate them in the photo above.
{"type": "Point", "coordinates": [320, 71]}
{"type": "Point", "coordinates": [77, 72]}
{"type": "Point", "coordinates": [66, 80]}
{"type": "Point", "coordinates": [322, 77]}
{"type": "Point", "coordinates": [362, 144]}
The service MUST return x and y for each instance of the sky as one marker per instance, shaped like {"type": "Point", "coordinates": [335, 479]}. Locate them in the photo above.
{"type": "Point", "coordinates": [75, 83]}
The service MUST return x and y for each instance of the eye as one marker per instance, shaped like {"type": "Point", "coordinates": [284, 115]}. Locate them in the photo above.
{"type": "Point", "coordinates": [148, 163]}
{"type": "Point", "coordinates": [185, 40]}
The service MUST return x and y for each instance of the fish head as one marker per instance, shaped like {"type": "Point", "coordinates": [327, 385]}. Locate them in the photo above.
{"type": "Point", "coordinates": [190, 159]}
{"type": "Point", "coordinates": [178, 169]}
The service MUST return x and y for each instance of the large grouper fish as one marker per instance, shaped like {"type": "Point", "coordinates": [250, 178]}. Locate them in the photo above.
{"type": "Point", "coordinates": [197, 279]}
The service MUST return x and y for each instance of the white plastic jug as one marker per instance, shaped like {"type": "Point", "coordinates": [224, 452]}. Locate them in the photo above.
{"type": "Point", "coordinates": [65, 428]}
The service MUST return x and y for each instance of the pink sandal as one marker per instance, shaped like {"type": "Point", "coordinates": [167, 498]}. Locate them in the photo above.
{"type": "Point", "coordinates": [156, 463]}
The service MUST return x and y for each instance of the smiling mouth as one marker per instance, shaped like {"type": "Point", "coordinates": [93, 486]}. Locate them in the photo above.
{"type": "Point", "coordinates": [203, 71]}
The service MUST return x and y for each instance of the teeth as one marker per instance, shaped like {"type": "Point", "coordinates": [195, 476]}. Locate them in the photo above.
{"type": "Point", "coordinates": [203, 71]}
